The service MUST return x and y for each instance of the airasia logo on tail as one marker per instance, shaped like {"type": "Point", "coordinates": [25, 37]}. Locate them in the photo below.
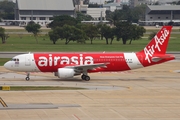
{"type": "Point", "coordinates": [156, 46]}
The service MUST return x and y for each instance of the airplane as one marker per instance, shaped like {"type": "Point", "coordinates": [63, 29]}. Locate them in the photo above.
{"type": "Point", "coordinates": [67, 65]}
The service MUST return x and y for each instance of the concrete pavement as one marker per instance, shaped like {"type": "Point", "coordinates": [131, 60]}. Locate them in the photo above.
{"type": "Point", "coordinates": [151, 93]}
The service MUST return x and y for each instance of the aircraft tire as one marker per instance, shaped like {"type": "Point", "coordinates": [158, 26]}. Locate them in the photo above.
{"type": "Point", "coordinates": [87, 78]}
{"type": "Point", "coordinates": [27, 78]}
{"type": "Point", "coordinates": [83, 77]}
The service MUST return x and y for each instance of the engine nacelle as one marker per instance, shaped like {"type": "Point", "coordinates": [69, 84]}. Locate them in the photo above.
{"type": "Point", "coordinates": [65, 73]}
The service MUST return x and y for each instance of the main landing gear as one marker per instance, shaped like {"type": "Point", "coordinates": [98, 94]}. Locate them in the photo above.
{"type": "Point", "coordinates": [28, 78]}
{"type": "Point", "coordinates": [85, 76]}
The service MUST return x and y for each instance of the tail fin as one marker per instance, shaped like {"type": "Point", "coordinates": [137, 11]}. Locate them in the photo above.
{"type": "Point", "coordinates": [159, 43]}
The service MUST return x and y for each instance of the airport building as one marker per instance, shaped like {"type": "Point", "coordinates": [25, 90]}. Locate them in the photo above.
{"type": "Point", "coordinates": [113, 6]}
{"type": "Point", "coordinates": [95, 13]}
{"type": "Point", "coordinates": [162, 13]}
{"type": "Point", "coordinates": [43, 10]}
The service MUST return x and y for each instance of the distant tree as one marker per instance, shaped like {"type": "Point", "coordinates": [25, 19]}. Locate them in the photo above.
{"type": "Point", "coordinates": [99, 27]}
{"type": "Point", "coordinates": [83, 17]}
{"type": "Point", "coordinates": [127, 14]}
{"type": "Point", "coordinates": [126, 31]}
{"type": "Point", "coordinates": [71, 33]}
{"type": "Point", "coordinates": [123, 31]}
{"type": "Point", "coordinates": [151, 35]}
{"type": "Point", "coordinates": [62, 20]}
{"type": "Point", "coordinates": [7, 9]}
{"type": "Point", "coordinates": [34, 28]}
{"type": "Point", "coordinates": [3, 36]}
{"type": "Point", "coordinates": [110, 16]}
{"type": "Point", "coordinates": [139, 12]}
{"type": "Point", "coordinates": [91, 31]}
{"type": "Point", "coordinates": [78, 35]}
{"type": "Point", "coordinates": [65, 33]}
{"type": "Point", "coordinates": [136, 32]}
{"type": "Point", "coordinates": [107, 33]}
{"type": "Point", "coordinates": [112, 34]}
{"type": "Point", "coordinates": [53, 35]}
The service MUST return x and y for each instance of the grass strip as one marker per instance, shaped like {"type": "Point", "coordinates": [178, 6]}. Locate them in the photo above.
{"type": "Point", "coordinates": [3, 60]}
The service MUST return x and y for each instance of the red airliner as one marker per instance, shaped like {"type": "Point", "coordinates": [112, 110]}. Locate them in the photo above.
{"type": "Point", "coordinates": [67, 65]}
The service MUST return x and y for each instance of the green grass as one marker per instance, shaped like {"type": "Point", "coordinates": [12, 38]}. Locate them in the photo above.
{"type": "Point", "coordinates": [23, 30]}
{"type": "Point", "coordinates": [25, 88]}
{"type": "Point", "coordinates": [27, 43]}
{"type": "Point", "coordinates": [3, 60]}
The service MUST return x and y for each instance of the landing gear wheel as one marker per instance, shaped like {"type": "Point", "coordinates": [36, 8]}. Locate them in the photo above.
{"type": "Point", "coordinates": [87, 78]}
{"type": "Point", "coordinates": [27, 78]}
{"type": "Point", "coordinates": [83, 77]}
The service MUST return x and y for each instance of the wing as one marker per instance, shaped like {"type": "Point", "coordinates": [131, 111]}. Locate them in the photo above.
{"type": "Point", "coordinates": [158, 58]}
{"type": "Point", "coordinates": [81, 68]}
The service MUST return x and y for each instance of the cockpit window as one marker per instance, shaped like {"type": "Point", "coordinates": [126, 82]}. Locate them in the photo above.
{"type": "Point", "coordinates": [15, 59]}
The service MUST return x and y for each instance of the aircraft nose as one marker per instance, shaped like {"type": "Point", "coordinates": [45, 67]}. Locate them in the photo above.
{"type": "Point", "coordinates": [7, 65]}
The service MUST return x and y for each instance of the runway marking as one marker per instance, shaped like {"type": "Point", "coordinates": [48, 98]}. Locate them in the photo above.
{"type": "Point", "coordinates": [76, 117]}
{"type": "Point", "coordinates": [3, 103]}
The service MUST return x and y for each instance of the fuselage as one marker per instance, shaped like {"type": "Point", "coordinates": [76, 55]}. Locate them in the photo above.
{"type": "Point", "coordinates": [51, 62]}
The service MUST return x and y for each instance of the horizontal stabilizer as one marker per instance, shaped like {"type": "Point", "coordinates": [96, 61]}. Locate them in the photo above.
{"type": "Point", "coordinates": [160, 57]}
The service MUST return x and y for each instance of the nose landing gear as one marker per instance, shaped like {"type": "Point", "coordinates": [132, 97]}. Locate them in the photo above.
{"type": "Point", "coordinates": [28, 78]}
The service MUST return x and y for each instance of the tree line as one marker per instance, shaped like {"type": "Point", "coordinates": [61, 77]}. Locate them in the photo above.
{"type": "Point", "coordinates": [70, 29]}
{"type": "Point", "coordinates": [120, 28]}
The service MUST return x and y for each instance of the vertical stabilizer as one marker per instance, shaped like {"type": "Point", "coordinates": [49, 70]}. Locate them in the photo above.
{"type": "Point", "coordinates": [158, 45]}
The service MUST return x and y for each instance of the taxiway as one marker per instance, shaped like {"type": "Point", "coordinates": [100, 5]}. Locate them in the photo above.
{"type": "Point", "coordinates": [143, 94]}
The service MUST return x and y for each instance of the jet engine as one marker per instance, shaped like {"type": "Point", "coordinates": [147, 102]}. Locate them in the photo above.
{"type": "Point", "coordinates": [65, 73]}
